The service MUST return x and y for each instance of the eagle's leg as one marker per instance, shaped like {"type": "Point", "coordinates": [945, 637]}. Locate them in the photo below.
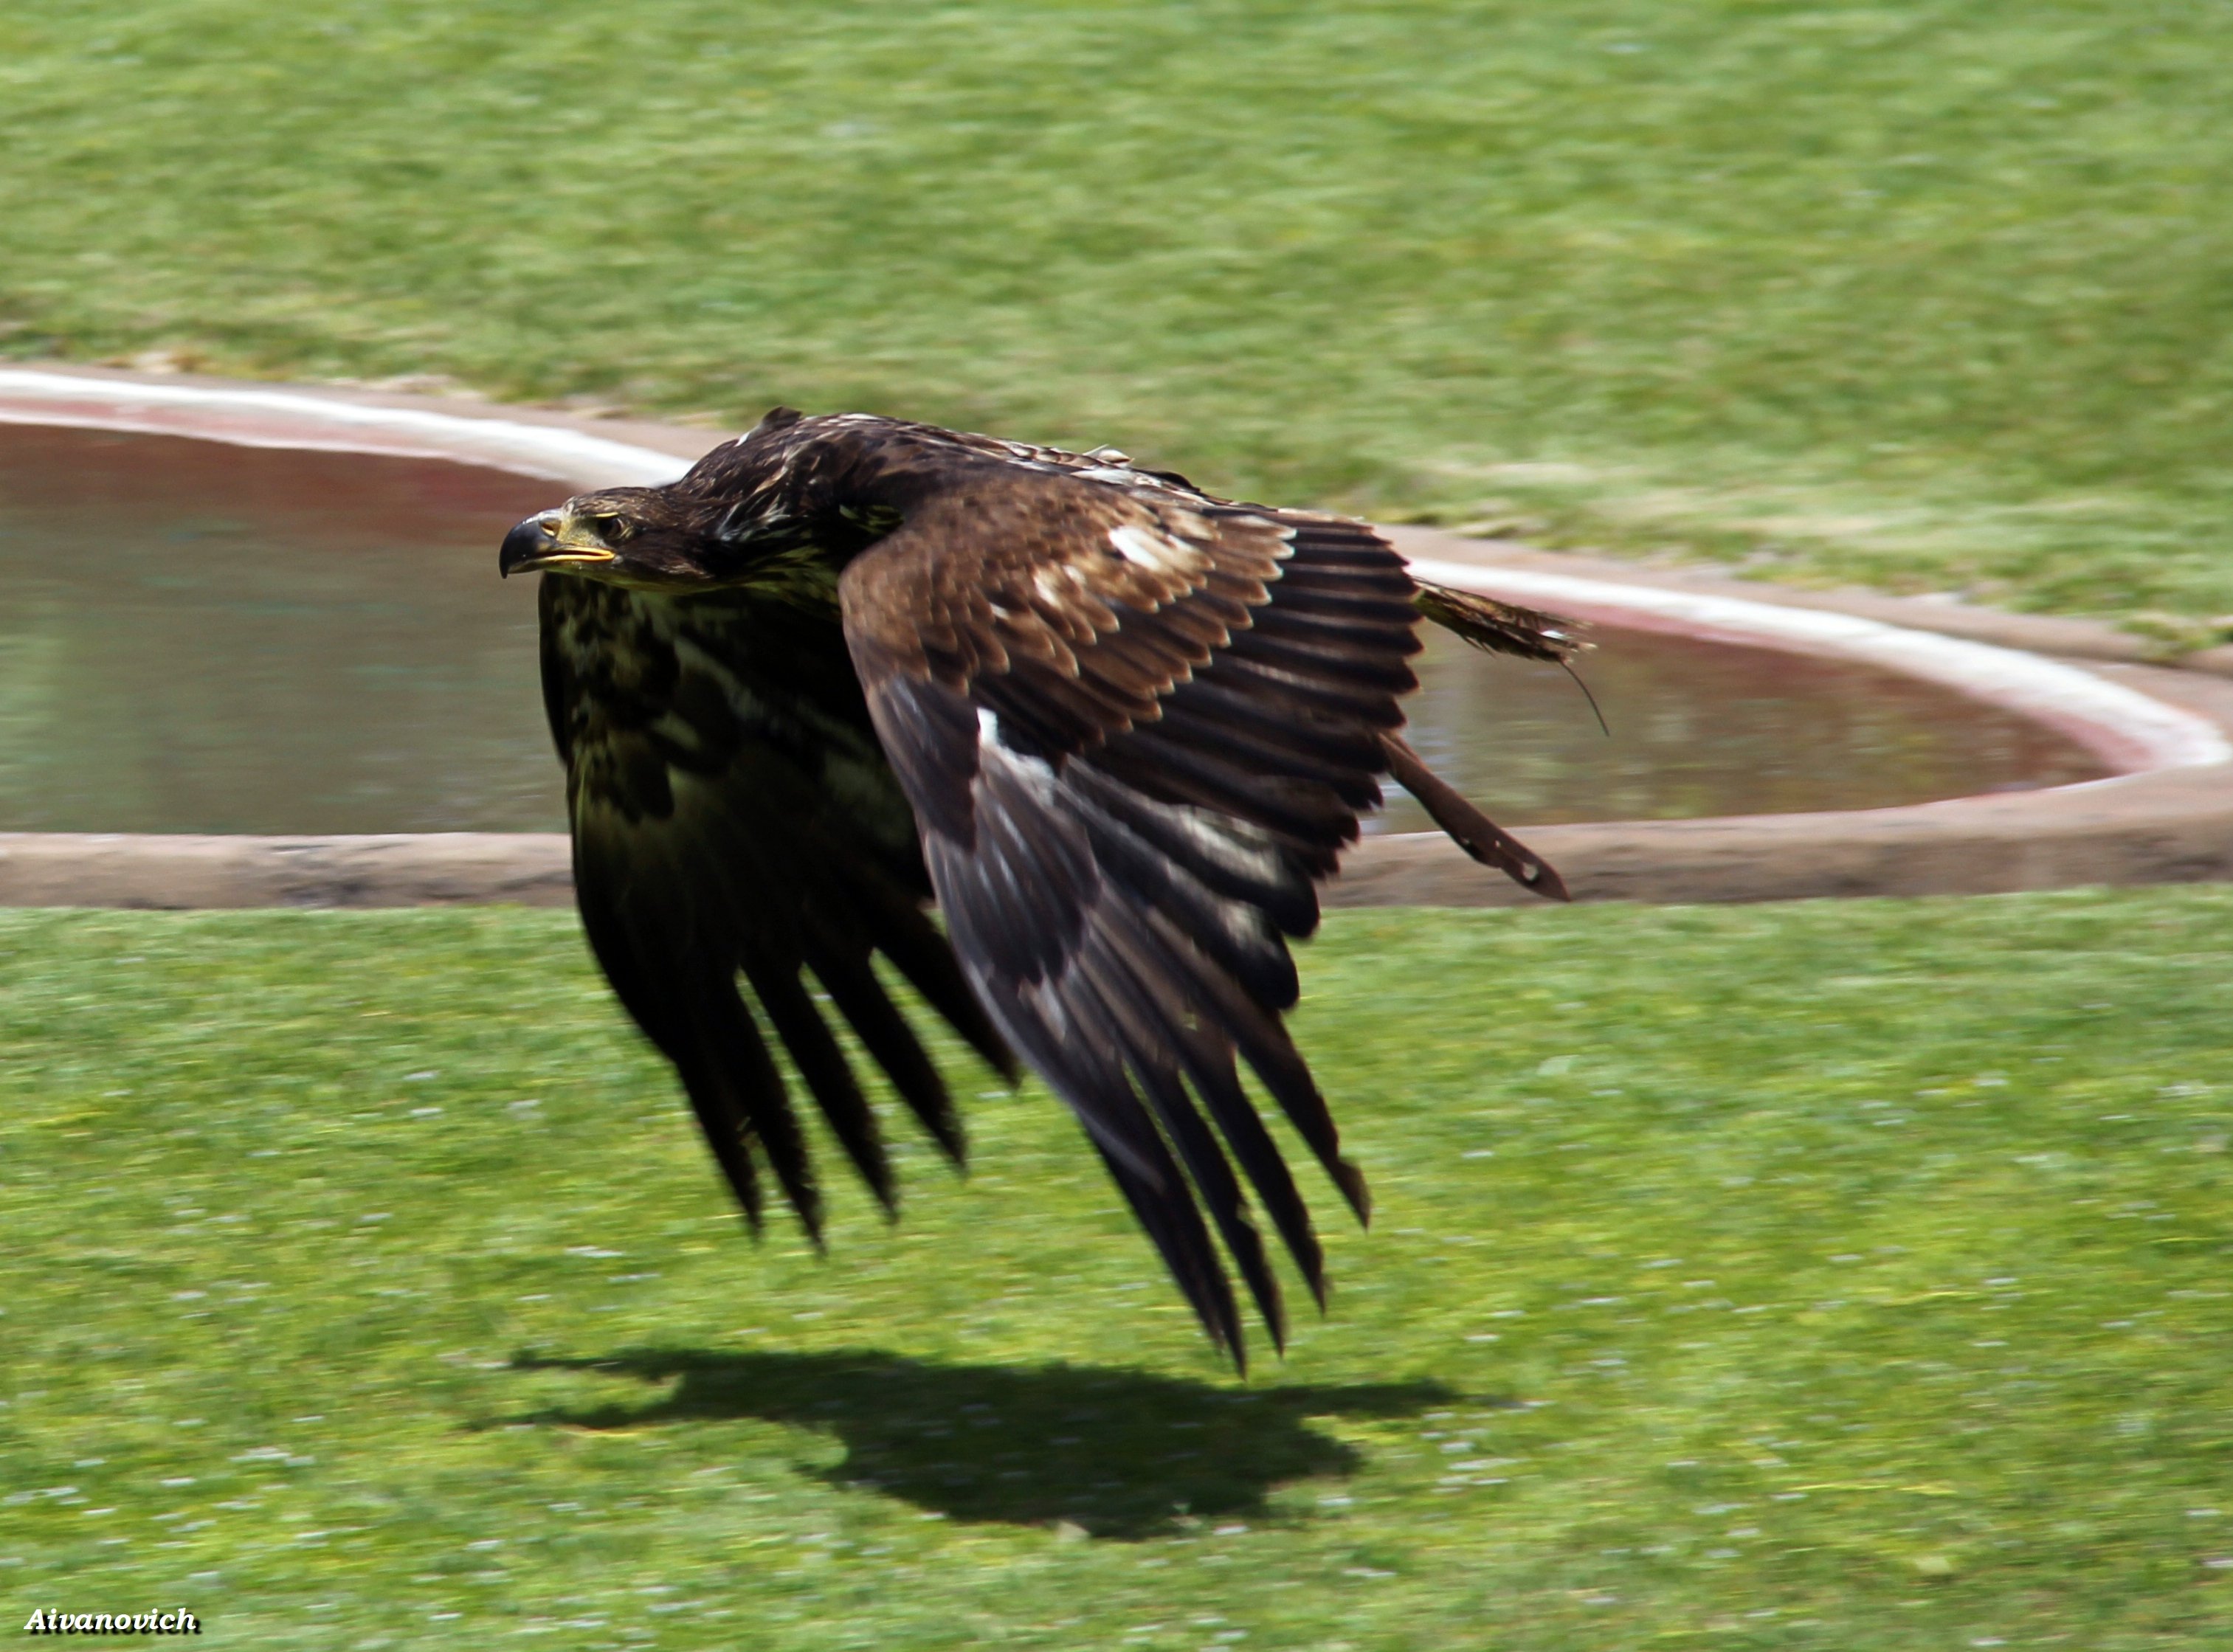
{"type": "Point", "coordinates": [1473, 831]}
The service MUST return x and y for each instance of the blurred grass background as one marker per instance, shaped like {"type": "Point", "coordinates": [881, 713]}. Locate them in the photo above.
{"type": "Point", "coordinates": [1930, 295]}
{"type": "Point", "coordinates": [1841, 1275]}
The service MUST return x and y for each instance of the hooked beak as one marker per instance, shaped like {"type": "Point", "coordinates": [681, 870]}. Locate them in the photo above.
{"type": "Point", "coordinates": [542, 541]}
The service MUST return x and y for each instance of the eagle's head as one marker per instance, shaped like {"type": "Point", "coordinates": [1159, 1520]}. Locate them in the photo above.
{"type": "Point", "coordinates": [647, 537]}
{"type": "Point", "coordinates": [771, 509]}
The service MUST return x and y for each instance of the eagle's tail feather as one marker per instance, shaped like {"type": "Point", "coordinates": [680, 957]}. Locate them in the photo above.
{"type": "Point", "coordinates": [1499, 628]}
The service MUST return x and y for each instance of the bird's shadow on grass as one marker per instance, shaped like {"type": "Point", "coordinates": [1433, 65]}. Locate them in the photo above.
{"type": "Point", "coordinates": [1115, 1452]}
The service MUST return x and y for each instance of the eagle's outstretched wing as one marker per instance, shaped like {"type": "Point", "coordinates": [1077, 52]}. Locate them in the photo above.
{"type": "Point", "coordinates": [1138, 726]}
{"type": "Point", "coordinates": [732, 812]}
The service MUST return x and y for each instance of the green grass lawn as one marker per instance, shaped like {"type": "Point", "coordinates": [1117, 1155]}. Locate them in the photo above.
{"type": "Point", "coordinates": [1844, 1276]}
{"type": "Point", "coordinates": [1932, 294]}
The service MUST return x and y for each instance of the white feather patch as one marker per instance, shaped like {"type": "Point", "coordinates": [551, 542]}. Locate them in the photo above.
{"type": "Point", "coordinates": [1157, 551]}
{"type": "Point", "coordinates": [994, 752]}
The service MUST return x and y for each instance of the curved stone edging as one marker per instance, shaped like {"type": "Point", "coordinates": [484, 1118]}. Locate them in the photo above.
{"type": "Point", "coordinates": [2162, 829]}
{"type": "Point", "coordinates": [2135, 732]}
{"type": "Point", "coordinates": [183, 872]}
{"type": "Point", "coordinates": [273, 416]}
{"type": "Point", "coordinates": [2169, 820]}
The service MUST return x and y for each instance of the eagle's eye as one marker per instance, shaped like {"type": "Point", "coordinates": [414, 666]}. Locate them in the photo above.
{"type": "Point", "coordinates": [613, 530]}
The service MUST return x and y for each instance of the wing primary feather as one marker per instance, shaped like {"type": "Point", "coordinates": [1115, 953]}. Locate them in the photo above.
{"type": "Point", "coordinates": [827, 1073]}
{"type": "Point", "coordinates": [1207, 1057]}
{"type": "Point", "coordinates": [1474, 832]}
{"type": "Point", "coordinates": [1254, 706]}
{"type": "Point", "coordinates": [663, 1009]}
{"type": "Point", "coordinates": [922, 957]}
{"type": "Point", "coordinates": [1310, 691]}
{"type": "Point", "coordinates": [1065, 1027]}
{"type": "Point", "coordinates": [1084, 1069]}
{"type": "Point", "coordinates": [1208, 1063]}
{"type": "Point", "coordinates": [1175, 1227]}
{"type": "Point", "coordinates": [722, 1122]}
{"type": "Point", "coordinates": [1304, 809]}
{"type": "Point", "coordinates": [1230, 857]}
{"type": "Point", "coordinates": [1242, 748]}
{"type": "Point", "coordinates": [1378, 583]}
{"type": "Point", "coordinates": [1213, 1177]}
{"type": "Point", "coordinates": [1235, 936]}
{"type": "Point", "coordinates": [1359, 667]}
{"type": "Point", "coordinates": [1263, 1041]}
{"type": "Point", "coordinates": [1041, 711]}
{"type": "Point", "coordinates": [1313, 622]}
{"type": "Point", "coordinates": [1150, 1032]}
{"type": "Point", "coordinates": [1342, 604]}
{"type": "Point", "coordinates": [890, 1042]}
{"type": "Point", "coordinates": [734, 1043]}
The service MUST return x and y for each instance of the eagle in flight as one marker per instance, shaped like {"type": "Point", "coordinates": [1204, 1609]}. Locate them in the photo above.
{"type": "Point", "coordinates": [1116, 729]}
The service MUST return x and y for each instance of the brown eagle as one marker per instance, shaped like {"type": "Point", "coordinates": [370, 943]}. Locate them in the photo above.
{"type": "Point", "coordinates": [1117, 729]}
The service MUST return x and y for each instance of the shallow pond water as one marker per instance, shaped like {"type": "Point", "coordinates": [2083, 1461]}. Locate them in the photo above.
{"type": "Point", "coordinates": [1695, 728]}
{"type": "Point", "coordinates": [197, 637]}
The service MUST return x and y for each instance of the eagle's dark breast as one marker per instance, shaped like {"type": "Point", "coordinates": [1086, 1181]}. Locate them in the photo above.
{"type": "Point", "coordinates": [732, 812]}
{"type": "Point", "coordinates": [723, 688]}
